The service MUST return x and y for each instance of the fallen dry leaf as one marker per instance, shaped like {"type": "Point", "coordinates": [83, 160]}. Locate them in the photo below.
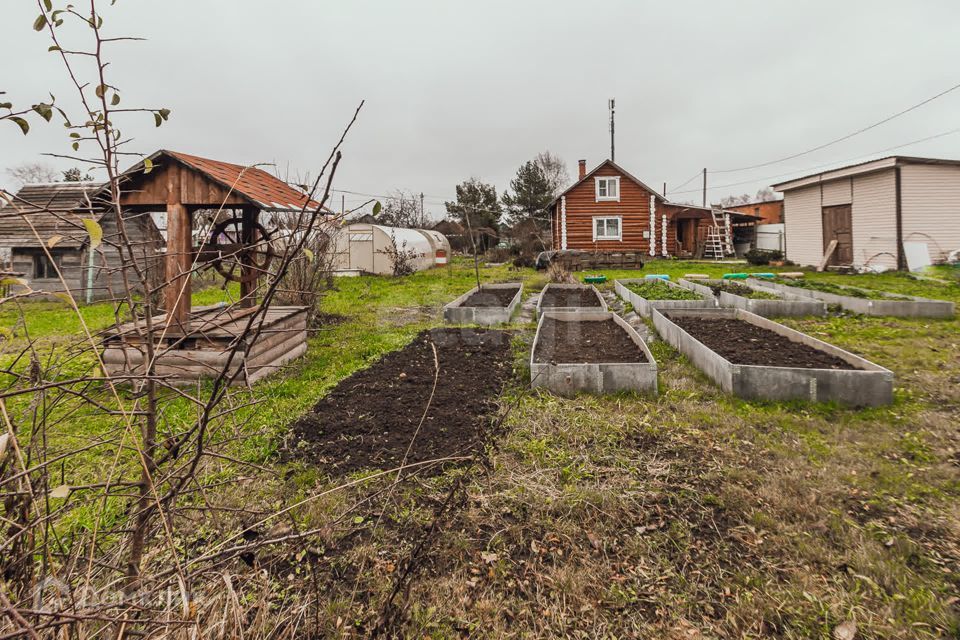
{"type": "Point", "coordinates": [845, 630]}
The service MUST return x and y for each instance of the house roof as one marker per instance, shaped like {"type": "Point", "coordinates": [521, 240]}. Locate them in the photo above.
{"type": "Point", "coordinates": [47, 210]}
{"type": "Point", "coordinates": [590, 174]}
{"type": "Point", "coordinates": [264, 191]}
{"type": "Point", "coordinates": [858, 168]}
{"type": "Point", "coordinates": [702, 212]}
{"type": "Point", "coordinates": [755, 204]}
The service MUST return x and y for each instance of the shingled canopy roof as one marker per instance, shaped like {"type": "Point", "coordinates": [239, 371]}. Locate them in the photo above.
{"type": "Point", "coordinates": [259, 188]}
{"type": "Point", "coordinates": [52, 209]}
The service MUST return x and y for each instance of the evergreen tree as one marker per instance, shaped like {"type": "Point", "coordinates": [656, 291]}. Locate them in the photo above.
{"type": "Point", "coordinates": [532, 193]}
{"type": "Point", "coordinates": [478, 208]}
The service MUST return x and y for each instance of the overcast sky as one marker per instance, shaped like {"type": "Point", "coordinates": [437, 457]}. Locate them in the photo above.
{"type": "Point", "coordinates": [458, 89]}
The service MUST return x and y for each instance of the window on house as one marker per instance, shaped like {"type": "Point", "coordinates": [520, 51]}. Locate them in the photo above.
{"type": "Point", "coordinates": [608, 188]}
{"type": "Point", "coordinates": [607, 228]}
{"type": "Point", "coordinates": [44, 267]}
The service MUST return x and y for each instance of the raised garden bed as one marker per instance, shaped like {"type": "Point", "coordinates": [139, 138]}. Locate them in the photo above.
{"type": "Point", "coordinates": [756, 299]}
{"type": "Point", "coordinates": [645, 294]}
{"type": "Point", "coordinates": [369, 420]}
{"type": "Point", "coordinates": [490, 304]}
{"type": "Point", "coordinates": [569, 297]}
{"type": "Point", "coordinates": [868, 302]}
{"type": "Point", "coordinates": [756, 358]}
{"type": "Point", "coordinates": [590, 351]}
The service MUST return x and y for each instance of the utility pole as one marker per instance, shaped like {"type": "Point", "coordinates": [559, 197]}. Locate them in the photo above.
{"type": "Point", "coordinates": [704, 186]}
{"type": "Point", "coordinates": [423, 219]}
{"type": "Point", "coordinates": [664, 189]}
{"type": "Point", "coordinates": [611, 104]}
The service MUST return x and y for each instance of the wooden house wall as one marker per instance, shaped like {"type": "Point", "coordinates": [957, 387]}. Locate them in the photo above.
{"type": "Point", "coordinates": [633, 208]}
{"type": "Point", "coordinates": [108, 278]}
{"type": "Point", "coordinates": [71, 266]}
{"type": "Point", "coordinates": [107, 274]}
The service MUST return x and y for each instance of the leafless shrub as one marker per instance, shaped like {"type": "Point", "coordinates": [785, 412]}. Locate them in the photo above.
{"type": "Point", "coordinates": [402, 258]}
{"type": "Point", "coordinates": [558, 274]}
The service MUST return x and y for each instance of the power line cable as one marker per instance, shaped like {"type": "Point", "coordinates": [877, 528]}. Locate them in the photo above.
{"type": "Point", "coordinates": [842, 138]}
{"type": "Point", "coordinates": [827, 164]}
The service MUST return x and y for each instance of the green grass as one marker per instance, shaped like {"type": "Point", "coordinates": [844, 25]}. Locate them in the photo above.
{"type": "Point", "coordinates": [608, 517]}
{"type": "Point", "coordinates": [656, 289]}
{"type": "Point", "coordinates": [840, 290]}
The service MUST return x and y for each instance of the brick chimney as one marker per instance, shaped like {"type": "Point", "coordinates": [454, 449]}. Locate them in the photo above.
{"type": "Point", "coordinates": [583, 169]}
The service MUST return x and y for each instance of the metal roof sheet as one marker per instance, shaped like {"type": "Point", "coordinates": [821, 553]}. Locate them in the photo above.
{"type": "Point", "coordinates": [262, 189]}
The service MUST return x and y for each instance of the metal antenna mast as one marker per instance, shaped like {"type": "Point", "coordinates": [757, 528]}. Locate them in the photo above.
{"type": "Point", "coordinates": [611, 104]}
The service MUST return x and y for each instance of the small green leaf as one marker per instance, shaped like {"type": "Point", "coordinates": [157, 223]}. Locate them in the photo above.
{"type": "Point", "coordinates": [6, 105]}
{"type": "Point", "coordinates": [115, 100]}
{"type": "Point", "coordinates": [358, 520]}
{"type": "Point", "coordinates": [23, 124]}
{"type": "Point", "coordinates": [307, 252]}
{"type": "Point", "coordinates": [95, 231]}
{"type": "Point", "coordinates": [45, 111]}
{"type": "Point", "coordinates": [147, 165]}
{"type": "Point", "coordinates": [164, 113]}
{"type": "Point", "coordinates": [101, 89]}
{"type": "Point", "coordinates": [157, 119]}
{"type": "Point", "coordinates": [74, 134]}
{"type": "Point", "coordinates": [48, 4]}
{"type": "Point", "coordinates": [40, 22]}
{"type": "Point", "coordinates": [76, 146]}
{"type": "Point", "coordinates": [11, 281]}
{"type": "Point", "coordinates": [376, 208]}
{"type": "Point", "coordinates": [53, 48]}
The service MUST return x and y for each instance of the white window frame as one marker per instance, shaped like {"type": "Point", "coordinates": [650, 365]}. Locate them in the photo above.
{"type": "Point", "coordinates": [606, 198]}
{"type": "Point", "coordinates": [618, 237]}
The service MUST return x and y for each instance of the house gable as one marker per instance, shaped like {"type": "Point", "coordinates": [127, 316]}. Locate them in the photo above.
{"type": "Point", "coordinates": [597, 221]}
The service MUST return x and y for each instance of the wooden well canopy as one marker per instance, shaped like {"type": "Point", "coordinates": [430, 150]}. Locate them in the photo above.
{"type": "Point", "coordinates": [183, 184]}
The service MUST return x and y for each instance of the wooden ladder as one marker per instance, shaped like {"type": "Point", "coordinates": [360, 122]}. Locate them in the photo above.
{"type": "Point", "coordinates": [717, 240]}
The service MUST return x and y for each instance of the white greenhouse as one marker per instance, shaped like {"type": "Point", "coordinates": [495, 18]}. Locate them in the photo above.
{"type": "Point", "coordinates": [370, 248]}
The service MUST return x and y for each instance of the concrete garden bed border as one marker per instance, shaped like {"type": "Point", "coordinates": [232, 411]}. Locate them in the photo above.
{"type": "Point", "coordinates": [643, 306]}
{"type": "Point", "coordinates": [456, 313]}
{"type": "Point", "coordinates": [788, 305]}
{"type": "Point", "coordinates": [915, 307]}
{"type": "Point", "coordinates": [869, 385]}
{"type": "Point", "coordinates": [567, 379]}
{"type": "Point", "coordinates": [541, 309]}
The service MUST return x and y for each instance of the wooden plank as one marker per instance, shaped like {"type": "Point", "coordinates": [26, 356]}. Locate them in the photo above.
{"type": "Point", "coordinates": [826, 256]}
{"type": "Point", "coordinates": [177, 289]}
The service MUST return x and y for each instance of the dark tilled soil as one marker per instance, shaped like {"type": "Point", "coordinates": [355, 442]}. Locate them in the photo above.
{"type": "Point", "coordinates": [491, 297]}
{"type": "Point", "coordinates": [586, 341]}
{"type": "Point", "coordinates": [369, 419]}
{"type": "Point", "coordinates": [744, 343]}
{"type": "Point", "coordinates": [584, 297]}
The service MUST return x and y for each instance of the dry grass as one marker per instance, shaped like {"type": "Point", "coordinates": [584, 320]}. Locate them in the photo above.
{"type": "Point", "coordinates": [689, 515]}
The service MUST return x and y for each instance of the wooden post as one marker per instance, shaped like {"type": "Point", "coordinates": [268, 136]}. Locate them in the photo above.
{"type": "Point", "coordinates": [176, 293]}
{"type": "Point", "coordinates": [248, 274]}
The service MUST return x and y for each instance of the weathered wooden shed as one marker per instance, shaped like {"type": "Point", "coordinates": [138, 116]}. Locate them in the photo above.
{"type": "Point", "coordinates": [43, 234]}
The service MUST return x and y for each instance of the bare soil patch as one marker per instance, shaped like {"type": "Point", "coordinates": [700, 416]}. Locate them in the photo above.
{"type": "Point", "coordinates": [499, 297]}
{"type": "Point", "coordinates": [743, 343]}
{"type": "Point", "coordinates": [369, 420]}
{"type": "Point", "coordinates": [579, 297]}
{"type": "Point", "coordinates": [586, 341]}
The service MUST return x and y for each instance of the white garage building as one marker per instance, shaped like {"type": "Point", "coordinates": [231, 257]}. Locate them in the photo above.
{"type": "Point", "coordinates": [874, 210]}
